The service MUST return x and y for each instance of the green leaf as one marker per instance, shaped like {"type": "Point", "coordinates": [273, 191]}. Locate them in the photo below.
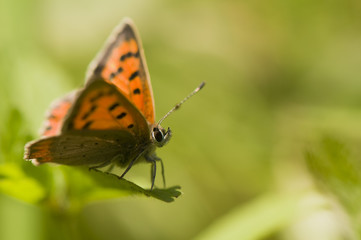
{"type": "Point", "coordinates": [111, 183]}
{"type": "Point", "coordinates": [86, 186]}
{"type": "Point", "coordinates": [15, 183]}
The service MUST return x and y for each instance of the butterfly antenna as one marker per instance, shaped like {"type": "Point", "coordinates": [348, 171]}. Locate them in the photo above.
{"type": "Point", "coordinates": [177, 106]}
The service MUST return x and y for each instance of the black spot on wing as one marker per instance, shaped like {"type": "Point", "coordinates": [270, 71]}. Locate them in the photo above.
{"type": "Point", "coordinates": [120, 69]}
{"type": "Point", "coordinates": [134, 75]}
{"type": "Point", "coordinates": [113, 106]}
{"type": "Point", "coordinates": [114, 74]}
{"type": "Point", "coordinates": [125, 56]}
{"type": "Point", "coordinates": [130, 126]}
{"type": "Point", "coordinates": [91, 110]}
{"type": "Point", "coordinates": [129, 55]}
{"type": "Point", "coordinates": [120, 116]}
{"type": "Point", "coordinates": [87, 125]}
{"type": "Point", "coordinates": [136, 91]}
{"type": "Point", "coordinates": [111, 76]}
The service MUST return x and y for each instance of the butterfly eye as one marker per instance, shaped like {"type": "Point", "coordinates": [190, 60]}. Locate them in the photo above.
{"type": "Point", "coordinates": [157, 135]}
{"type": "Point", "coordinates": [160, 136]}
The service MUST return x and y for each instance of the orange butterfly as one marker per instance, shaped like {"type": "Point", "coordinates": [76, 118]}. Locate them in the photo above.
{"type": "Point", "coordinates": [111, 121]}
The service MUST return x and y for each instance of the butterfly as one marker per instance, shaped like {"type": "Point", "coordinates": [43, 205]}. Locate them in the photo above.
{"type": "Point", "coordinates": [111, 120]}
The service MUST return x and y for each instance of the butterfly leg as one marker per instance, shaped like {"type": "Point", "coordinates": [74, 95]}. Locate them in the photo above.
{"type": "Point", "coordinates": [130, 165]}
{"type": "Point", "coordinates": [162, 165]}
{"type": "Point", "coordinates": [153, 169]}
{"type": "Point", "coordinates": [154, 157]}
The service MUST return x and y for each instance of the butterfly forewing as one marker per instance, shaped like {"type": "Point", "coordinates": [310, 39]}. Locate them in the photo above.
{"type": "Point", "coordinates": [122, 63]}
{"type": "Point", "coordinates": [100, 106]}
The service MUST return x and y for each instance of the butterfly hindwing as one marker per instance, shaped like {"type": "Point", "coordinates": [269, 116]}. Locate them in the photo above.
{"type": "Point", "coordinates": [56, 115]}
{"type": "Point", "coordinates": [100, 106]}
{"type": "Point", "coordinates": [122, 63]}
{"type": "Point", "coordinates": [91, 148]}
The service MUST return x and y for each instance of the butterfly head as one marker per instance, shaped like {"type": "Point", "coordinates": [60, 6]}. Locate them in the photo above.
{"type": "Point", "coordinates": [160, 136]}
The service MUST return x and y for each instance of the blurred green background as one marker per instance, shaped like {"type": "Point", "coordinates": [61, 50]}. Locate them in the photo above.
{"type": "Point", "coordinates": [268, 150]}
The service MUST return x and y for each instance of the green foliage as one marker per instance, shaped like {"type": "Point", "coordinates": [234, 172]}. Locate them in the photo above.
{"type": "Point", "coordinates": [256, 220]}
{"type": "Point", "coordinates": [338, 172]}
{"type": "Point", "coordinates": [12, 136]}
{"type": "Point", "coordinates": [15, 183]}
{"type": "Point", "coordinates": [279, 74]}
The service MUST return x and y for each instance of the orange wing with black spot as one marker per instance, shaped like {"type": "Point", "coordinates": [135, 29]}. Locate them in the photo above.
{"type": "Point", "coordinates": [122, 63]}
{"type": "Point", "coordinates": [56, 115]}
{"type": "Point", "coordinates": [100, 106]}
